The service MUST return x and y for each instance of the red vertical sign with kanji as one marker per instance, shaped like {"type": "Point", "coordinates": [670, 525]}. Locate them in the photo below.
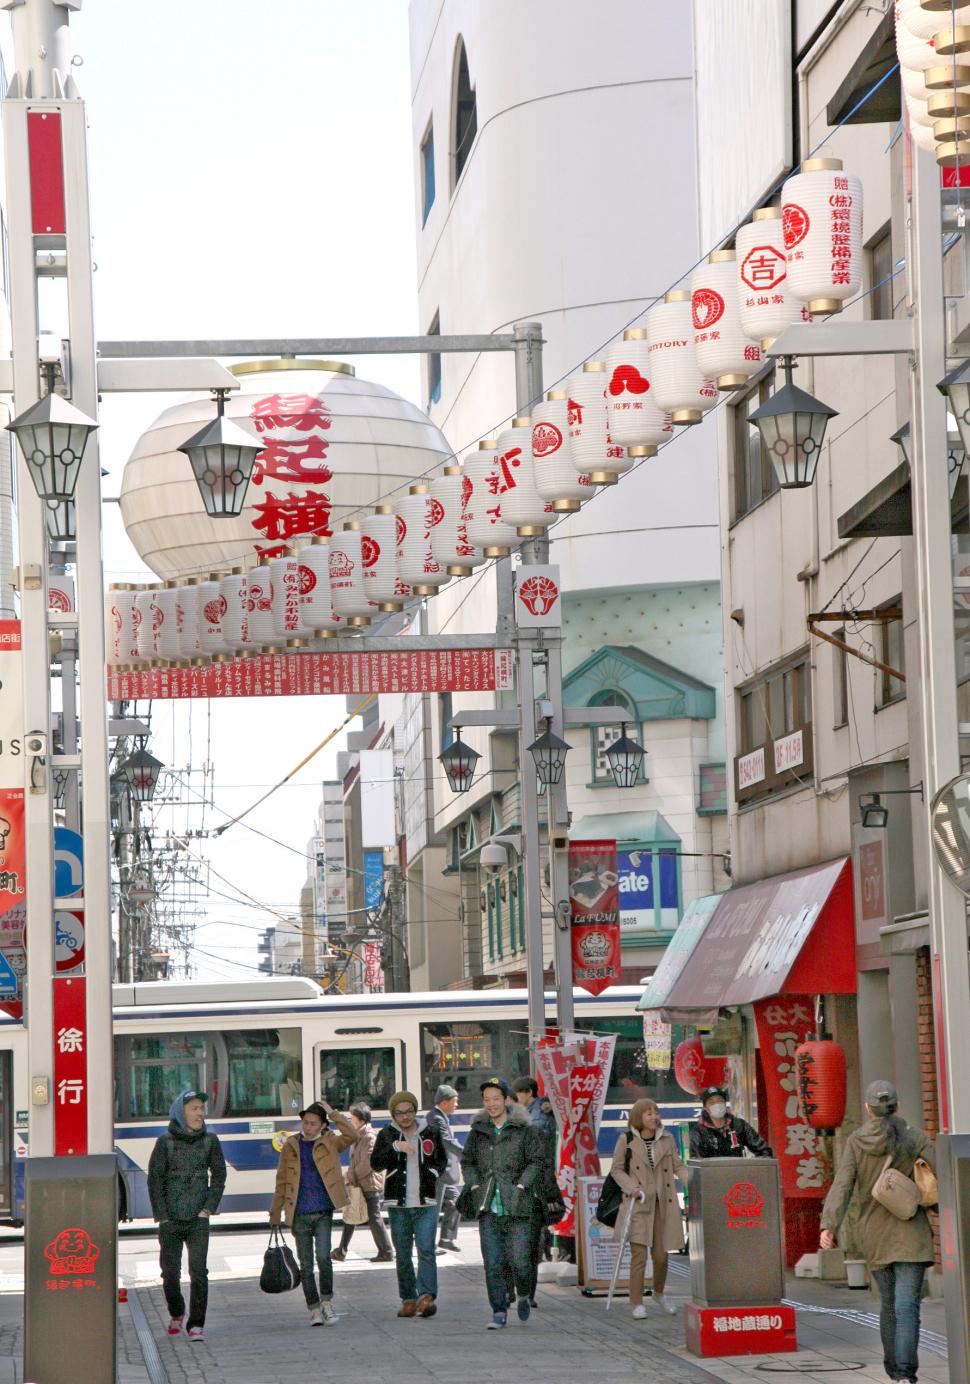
{"type": "Point", "coordinates": [784, 1023]}
{"type": "Point", "coordinates": [594, 902]}
{"type": "Point", "coordinates": [70, 1067]}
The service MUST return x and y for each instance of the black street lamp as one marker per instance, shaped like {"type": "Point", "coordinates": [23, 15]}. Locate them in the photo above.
{"type": "Point", "coordinates": [792, 426]}
{"type": "Point", "coordinates": [222, 456]}
{"type": "Point", "coordinates": [955, 450]}
{"type": "Point", "coordinates": [459, 761]}
{"type": "Point", "coordinates": [140, 773]}
{"type": "Point", "coordinates": [53, 435]}
{"type": "Point", "coordinates": [625, 758]}
{"type": "Point", "coordinates": [549, 753]}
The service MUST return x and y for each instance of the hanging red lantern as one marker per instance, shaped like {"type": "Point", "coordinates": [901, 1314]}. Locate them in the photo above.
{"type": "Point", "coordinates": [715, 1072]}
{"type": "Point", "coordinates": [820, 1074]}
{"type": "Point", "coordinates": [690, 1066]}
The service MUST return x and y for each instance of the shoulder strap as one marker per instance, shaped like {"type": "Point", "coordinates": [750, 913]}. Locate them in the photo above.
{"type": "Point", "coordinates": [629, 1153]}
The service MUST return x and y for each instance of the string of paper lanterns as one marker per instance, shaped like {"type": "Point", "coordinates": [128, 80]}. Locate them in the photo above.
{"type": "Point", "coordinates": [933, 47]}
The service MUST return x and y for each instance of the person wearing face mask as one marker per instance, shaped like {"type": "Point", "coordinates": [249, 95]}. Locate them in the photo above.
{"type": "Point", "coordinates": [645, 1163]}
{"type": "Point", "coordinates": [719, 1134]}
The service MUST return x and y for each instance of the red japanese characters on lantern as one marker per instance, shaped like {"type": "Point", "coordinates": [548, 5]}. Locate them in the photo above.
{"type": "Point", "coordinates": [765, 305]}
{"type": "Point", "coordinates": [187, 618]}
{"type": "Point", "coordinates": [211, 610]}
{"type": "Point", "coordinates": [259, 608]}
{"type": "Point", "coordinates": [379, 551]}
{"type": "Point", "coordinates": [487, 528]}
{"type": "Point", "coordinates": [449, 537]}
{"type": "Point", "coordinates": [557, 480]}
{"type": "Point", "coordinates": [235, 617]}
{"type": "Point", "coordinates": [723, 350]}
{"type": "Point", "coordinates": [522, 505]}
{"type": "Point", "coordinates": [417, 563]}
{"type": "Point", "coordinates": [317, 614]}
{"type": "Point", "coordinates": [820, 1071]}
{"type": "Point", "coordinates": [679, 386]}
{"type": "Point", "coordinates": [166, 633]}
{"type": "Point", "coordinates": [636, 422]}
{"type": "Point", "coordinates": [144, 626]}
{"type": "Point", "coordinates": [347, 591]}
{"type": "Point", "coordinates": [591, 448]}
{"type": "Point", "coordinates": [119, 624]}
{"type": "Point", "coordinates": [285, 597]}
{"type": "Point", "coordinates": [822, 223]}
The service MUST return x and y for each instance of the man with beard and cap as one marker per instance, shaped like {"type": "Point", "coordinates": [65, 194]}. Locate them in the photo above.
{"type": "Point", "coordinates": [412, 1155]}
{"type": "Point", "coordinates": [186, 1179]}
{"type": "Point", "coordinates": [719, 1134]}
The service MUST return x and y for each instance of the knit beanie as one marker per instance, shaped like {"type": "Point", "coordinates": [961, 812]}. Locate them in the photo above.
{"type": "Point", "coordinates": [401, 1098]}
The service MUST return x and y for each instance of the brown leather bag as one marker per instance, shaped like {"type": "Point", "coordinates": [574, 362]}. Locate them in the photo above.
{"type": "Point", "coordinates": [925, 1179]}
{"type": "Point", "coordinates": [895, 1191]}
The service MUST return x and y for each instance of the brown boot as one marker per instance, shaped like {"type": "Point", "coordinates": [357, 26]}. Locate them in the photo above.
{"type": "Point", "coordinates": [408, 1309]}
{"type": "Point", "coordinates": [339, 1255]}
{"type": "Point", "coordinates": [426, 1306]}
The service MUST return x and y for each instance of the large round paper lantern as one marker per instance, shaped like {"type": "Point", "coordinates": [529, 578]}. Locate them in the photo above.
{"type": "Point", "coordinates": [417, 564]}
{"type": "Point", "coordinates": [449, 537]}
{"type": "Point", "coordinates": [317, 615]}
{"type": "Point", "coordinates": [211, 610]}
{"type": "Point", "coordinates": [636, 423]}
{"type": "Point", "coordinates": [765, 305]}
{"type": "Point", "coordinates": [822, 221]}
{"type": "Point", "coordinates": [347, 591]}
{"type": "Point", "coordinates": [724, 351]}
{"type": "Point", "coordinates": [190, 641]}
{"type": "Point", "coordinates": [335, 446]}
{"type": "Point", "coordinates": [379, 550]}
{"type": "Point", "coordinates": [235, 617]}
{"type": "Point", "coordinates": [285, 587]}
{"type": "Point", "coordinates": [167, 634]}
{"type": "Point", "coordinates": [555, 476]}
{"type": "Point", "coordinates": [821, 1078]}
{"type": "Point", "coordinates": [487, 528]}
{"type": "Point", "coordinates": [522, 505]}
{"type": "Point", "coordinates": [689, 1068]}
{"type": "Point", "coordinates": [144, 624]}
{"type": "Point", "coordinates": [679, 386]}
{"type": "Point", "coordinates": [259, 607]}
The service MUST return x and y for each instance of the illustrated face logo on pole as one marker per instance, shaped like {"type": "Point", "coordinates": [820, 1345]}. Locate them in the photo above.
{"type": "Point", "coordinates": [72, 1252]}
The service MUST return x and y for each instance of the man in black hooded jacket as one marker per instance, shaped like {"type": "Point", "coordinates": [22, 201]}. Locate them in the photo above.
{"type": "Point", "coordinates": [718, 1134]}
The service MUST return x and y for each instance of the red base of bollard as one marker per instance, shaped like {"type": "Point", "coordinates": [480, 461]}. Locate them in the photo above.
{"type": "Point", "coordinates": [739, 1330]}
{"type": "Point", "coordinates": [122, 1294]}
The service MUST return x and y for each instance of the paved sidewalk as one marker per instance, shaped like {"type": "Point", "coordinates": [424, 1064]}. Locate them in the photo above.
{"type": "Point", "coordinates": [255, 1339]}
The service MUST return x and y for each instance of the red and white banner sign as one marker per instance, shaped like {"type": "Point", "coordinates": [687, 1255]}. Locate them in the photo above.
{"type": "Point", "coordinates": [373, 969]}
{"type": "Point", "coordinates": [575, 1073]}
{"type": "Point", "coordinates": [783, 1023]}
{"type": "Point", "coordinates": [538, 597]}
{"type": "Point", "coordinates": [594, 900]}
{"type": "Point", "coordinates": [70, 1067]}
{"type": "Point", "coordinates": [325, 674]}
{"type": "Point", "coordinates": [13, 883]}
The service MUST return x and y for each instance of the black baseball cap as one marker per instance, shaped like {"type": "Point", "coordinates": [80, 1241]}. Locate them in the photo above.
{"type": "Point", "coordinates": [496, 1083]}
{"type": "Point", "coordinates": [709, 1091]}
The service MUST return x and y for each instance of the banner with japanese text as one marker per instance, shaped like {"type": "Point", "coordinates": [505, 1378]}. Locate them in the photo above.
{"type": "Point", "coordinates": [575, 1071]}
{"type": "Point", "coordinates": [70, 1067]}
{"type": "Point", "coordinates": [783, 1023]}
{"type": "Point", "coordinates": [594, 901]}
{"type": "Point", "coordinates": [13, 853]}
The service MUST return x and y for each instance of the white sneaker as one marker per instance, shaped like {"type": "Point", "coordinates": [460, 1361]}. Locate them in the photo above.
{"type": "Point", "coordinates": [329, 1315]}
{"type": "Point", "coordinates": [665, 1304]}
{"type": "Point", "coordinates": [316, 1318]}
{"type": "Point", "coordinates": [640, 1312]}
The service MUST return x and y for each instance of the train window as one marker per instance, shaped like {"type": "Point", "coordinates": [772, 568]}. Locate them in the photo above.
{"type": "Point", "coordinates": [465, 1054]}
{"type": "Point", "coordinates": [630, 1078]}
{"type": "Point", "coordinates": [357, 1074]}
{"type": "Point", "coordinates": [246, 1072]}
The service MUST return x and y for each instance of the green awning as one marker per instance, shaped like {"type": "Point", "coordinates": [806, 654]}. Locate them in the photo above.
{"type": "Point", "coordinates": [640, 828]}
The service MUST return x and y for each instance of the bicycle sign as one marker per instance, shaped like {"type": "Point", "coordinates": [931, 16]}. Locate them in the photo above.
{"type": "Point", "coordinates": [68, 940]}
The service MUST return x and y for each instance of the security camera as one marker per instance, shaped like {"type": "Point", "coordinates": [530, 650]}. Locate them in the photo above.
{"type": "Point", "coordinates": [493, 857]}
{"type": "Point", "coordinates": [35, 743]}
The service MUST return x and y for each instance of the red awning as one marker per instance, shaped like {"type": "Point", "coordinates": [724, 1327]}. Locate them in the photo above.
{"type": "Point", "coordinates": [788, 935]}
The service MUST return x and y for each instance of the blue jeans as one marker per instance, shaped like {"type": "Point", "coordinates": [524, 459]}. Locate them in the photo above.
{"type": "Point", "coordinates": [312, 1231]}
{"type": "Point", "coordinates": [900, 1286]}
{"type": "Point", "coordinates": [507, 1254]}
{"type": "Point", "coordinates": [410, 1226]}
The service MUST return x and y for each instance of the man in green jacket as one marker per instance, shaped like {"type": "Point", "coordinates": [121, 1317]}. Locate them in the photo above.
{"type": "Point", "coordinates": [186, 1180]}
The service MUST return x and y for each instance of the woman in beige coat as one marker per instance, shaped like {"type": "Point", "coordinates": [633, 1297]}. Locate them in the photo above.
{"type": "Point", "coordinates": [648, 1177]}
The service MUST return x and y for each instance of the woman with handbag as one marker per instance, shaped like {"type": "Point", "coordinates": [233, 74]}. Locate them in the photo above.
{"type": "Point", "coordinates": [645, 1163]}
{"type": "Point", "coordinates": [883, 1159]}
{"type": "Point", "coordinates": [369, 1184]}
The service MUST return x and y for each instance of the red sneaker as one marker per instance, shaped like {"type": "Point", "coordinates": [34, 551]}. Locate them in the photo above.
{"type": "Point", "coordinates": [196, 1333]}
{"type": "Point", "coordinates": [175, 1326]}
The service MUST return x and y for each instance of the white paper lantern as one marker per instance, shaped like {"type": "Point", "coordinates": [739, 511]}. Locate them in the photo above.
{"type": "Point", "coordinates": [926, 24]}
{"type": "Point", "coordinates": [636, 423]}
{"type": "Point", "coordinates": [212, 607]}
{"type": "Point", "coordinates": [555, 476]}
{"type": "Point", "coordinates": [724, 351]}
{"type": "Point", "coordinates": [190, 642]}
{"type": "Point", "coordinates": [522, 505]}
{"type": "Point", "coordinates": [449, 537]}
{"type": "Point", "coordinates": [822, 220]}
{"type": "Point", "coordinates": [379, 550]}
{"type": "Point", "coordinates": [920, 132]}
{"type": "Point", "coordinates": [317, 614]}
{"type": "Point", "coordinates": [591, 449]}
{"type": "Point", "coordinates": [680, 388]}
{"type": "Point", "coordinates": [259, 609]}
{"type": "Point", "coordinates": [167, 633]}
{"type": "Point", "coordinates": [144, 628]}
{"type": "Point", "coordinates": [417, 564]}
{"type": "Point", "coordinates": [120, 640]}
{"type": "Point", "coordinates": [765, 304]}
{"type": "Point", "coordinates": [235, 617]}
{"type": "Point", "coordinates": [486, 527]}
{"type": "Point", "coordinates": [284, 580]}
{"type": "Point", "coordinates": [347, 589]}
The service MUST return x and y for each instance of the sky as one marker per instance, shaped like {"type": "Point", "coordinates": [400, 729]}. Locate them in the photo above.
{"type": "Point", "coordinates": [251, 175]}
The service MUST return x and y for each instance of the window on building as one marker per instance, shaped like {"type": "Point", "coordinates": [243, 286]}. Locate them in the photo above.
{"type": "Point", "coordinates": [602, 737]}
{"type": "Point", "coordinates": [464, 114]}
{"type": "Point", "coordinates": [427, 173]}
{"type": "Point", "coordinates": [891, 652]}
{"type": "Point", "coordinates": [774, 730]}
{"type": "Point", "coordinates": [353, 1074]}
{"type": "Point", "coordinates": [434, 364]}
{"type": "Point", "coordinates": [840, 669]}
{"type": "Point", "coordinates": [754, 475]}
{"type": "Point", "coordinates": [880, 257]}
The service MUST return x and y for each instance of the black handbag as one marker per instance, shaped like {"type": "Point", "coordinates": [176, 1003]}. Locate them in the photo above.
{"type": "Point", "coordinates": [280, 1272]}
{"type": "Point", "coordinates": [551, 1207]}
{"type": "Point", "coordinates": [611, 1197]}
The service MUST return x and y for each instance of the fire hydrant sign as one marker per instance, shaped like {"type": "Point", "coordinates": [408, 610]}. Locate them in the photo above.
{"type": "Point", "coordinates": [325, 675]}
{"type": "Point", "coordinates": [538, 597]}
